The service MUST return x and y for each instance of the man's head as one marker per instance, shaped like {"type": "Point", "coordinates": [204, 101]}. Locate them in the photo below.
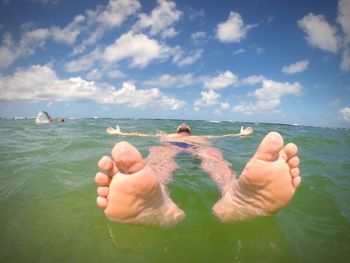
{"type": "Point", "coordinates": [183, 128]}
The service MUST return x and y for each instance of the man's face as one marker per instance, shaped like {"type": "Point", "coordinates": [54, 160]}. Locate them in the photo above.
{"type": "Point", "coordinates": [183, 128]}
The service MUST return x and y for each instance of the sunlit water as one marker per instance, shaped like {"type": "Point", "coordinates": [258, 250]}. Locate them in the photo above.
{"type": "Point", "coordinates": [48, 210]}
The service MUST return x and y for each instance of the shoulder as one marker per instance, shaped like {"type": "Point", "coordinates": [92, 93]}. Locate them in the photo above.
{"type": "Point", "coordinates": [171, 135]}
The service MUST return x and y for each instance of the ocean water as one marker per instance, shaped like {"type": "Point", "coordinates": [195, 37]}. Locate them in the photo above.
{"type": "Point", "coordinates": [48, 211]}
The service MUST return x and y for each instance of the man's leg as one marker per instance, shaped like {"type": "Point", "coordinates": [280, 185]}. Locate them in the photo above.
{"type": "Point", "coordinates": [130, 192]}
{"type": "Point", "coordinates": [214, 164]}
{"type": "Point", "coordinates": [162, 161]}
{"type": "Point", "coordinates": [267, 183]}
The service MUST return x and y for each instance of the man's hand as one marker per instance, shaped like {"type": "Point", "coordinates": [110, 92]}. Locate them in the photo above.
{"type": "Point", "coordinates": [246, 131]}
{"type": "Point", "coordinates": [111, 130]}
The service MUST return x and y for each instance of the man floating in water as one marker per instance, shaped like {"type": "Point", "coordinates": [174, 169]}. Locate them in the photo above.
{"type": "Point", "coordinates": [133, 190]}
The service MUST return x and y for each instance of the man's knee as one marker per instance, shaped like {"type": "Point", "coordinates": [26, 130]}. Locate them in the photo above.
{"type": "Point", "coordinates": [212, 152]}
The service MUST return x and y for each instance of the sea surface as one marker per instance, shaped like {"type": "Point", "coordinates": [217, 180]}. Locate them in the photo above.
{"type": "Point", "coordinates": [48, 211]}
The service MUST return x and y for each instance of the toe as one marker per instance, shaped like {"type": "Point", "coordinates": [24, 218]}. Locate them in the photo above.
{"type": "Point", "coordinates": [294, 162]}
{"type": "Point", "coordinates": [270, 147]}
{"type": "Point", "coordinates": [102, 179]}
{"type": "Point", "coordinates": [296, 181]}
{"type": "Point", "coordinates": [288, 151]}
{"type": "Point", "coordinates": [102, 191]}
{"type": "Point", "coordinates": [127, 158]}
{"type": "Point", "coordinates": [101, 202]}
{"type": "Point", "coordinates": [107, 165]}
{"type": "Point", "coordinates": [294, 172]}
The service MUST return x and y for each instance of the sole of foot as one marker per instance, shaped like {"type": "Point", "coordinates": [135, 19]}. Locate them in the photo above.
{"type": "Point", "coordinates": [129, 191]}
{"type": "Point", "coordinates": [267, 183]}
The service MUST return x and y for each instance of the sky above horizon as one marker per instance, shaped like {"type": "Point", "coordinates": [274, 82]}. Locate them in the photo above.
{"type": "Point", "coordinates": [252, 61]}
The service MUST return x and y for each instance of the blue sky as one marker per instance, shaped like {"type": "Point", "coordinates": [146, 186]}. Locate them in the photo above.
{"type": "Point", "coordinates": [255, 60]}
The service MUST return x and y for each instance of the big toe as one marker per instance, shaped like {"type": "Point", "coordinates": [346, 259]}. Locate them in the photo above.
{"type": "Point", "coordinates": [270, 147]}
{"type": "Point", "coordinates": [127, 157]}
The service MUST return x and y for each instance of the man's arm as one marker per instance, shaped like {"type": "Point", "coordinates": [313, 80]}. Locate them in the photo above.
{"type": "Point", "coordinates": [243, 132]}
{"type": "Point", "coordinates": [111, 130]}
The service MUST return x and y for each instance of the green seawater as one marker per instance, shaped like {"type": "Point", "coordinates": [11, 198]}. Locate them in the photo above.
{"type": "Point", "coordinates": [48, 211]}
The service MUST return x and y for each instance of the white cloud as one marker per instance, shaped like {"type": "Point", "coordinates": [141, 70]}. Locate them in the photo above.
{"type": "Point", "coordinates": [161, 19]}
{"type": "Point", "coordinates": [345, 62]}
{"type": "Point", "coordinates": [169, 33]}
{"type": "Point", "coordinates": [7, 51]}
{"type": "Point", "coordinates": [115, 73]}
{"type": "Point", "coordinates": [46, 2]}
{"type": "Point", "coordinates": [88, 41]}
{"type": "Point", "coordinates": [32, 39]}
{"type": "Point", "coordinates": [40, 34]}
{"type": "Point", "coordinates": [345, 114]}
{"type": "Point", "coordinates": [252, 80]}
{"type": "Point", "coordinates": [115, 12]}
{"type": "Point", "coordinates": [7, 57]}
{"type": "Point", "coordinates": [94, 63]}
{"type": "Point", "coordinates": [275, 90]}
{"type": "Point", "coordinates": [199, 38]}
{"type": "Point", "coordinates": [259, 50]}
{"type": "Point", "coordinates": [95, 22]}
{"type": "Point", "coordinates": [268, 98]}
{"type": "Point", "coordinates": [182, 59]}
{"type": "Point", "coordinates": [194, 14]}
{"type": "Point", "coordinates": [297, 67]}
{"type": "Point", "coordinates": [85, 62]}
{"type": "Point", "coordinates": [319, 33]}
{"type": "Point", "coordinates": [172, 81]}
{"type": "Point", "coordinates": [135, 98]}
{"type": "Point", "coordinates": [138, 49]}
{"type": "Point", "coordinates": [38, 83]}
{"type": "Point", "coordinates": [233, 29]}
{"type": "Point", "coordinates": [95, 74]}
{"type": "Point", "coordinates": [344, 18]}
{"type": "Point", "coordinates": [224, 105]}
{"type": "Point", "coordinates": [221, 81]}
{"type": "Point", "coordinates": [141, 49]}
{"type": "Point", "coordinates": [68, 34]}
{"type": "Point", "coordinates": [335, 102]}
{"type": "Point", "coordinates": [253, 49]}
{"type": "Point", "coordinates": [105, 18]}
{"type": "Point", "coordinates": [41, 83]}
{"type": "Point", "coordinates": [239, 51]}
{"type": "Point", "coordinates": [208, 98]}
{"type": "Point", "coordinates": [169, 103]}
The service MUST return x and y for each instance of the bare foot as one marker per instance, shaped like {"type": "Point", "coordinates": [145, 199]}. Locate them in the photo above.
{"type": "Point", "coordinates": [129, 191]}
{"type": "Point", "coordinates": [267, 183]}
